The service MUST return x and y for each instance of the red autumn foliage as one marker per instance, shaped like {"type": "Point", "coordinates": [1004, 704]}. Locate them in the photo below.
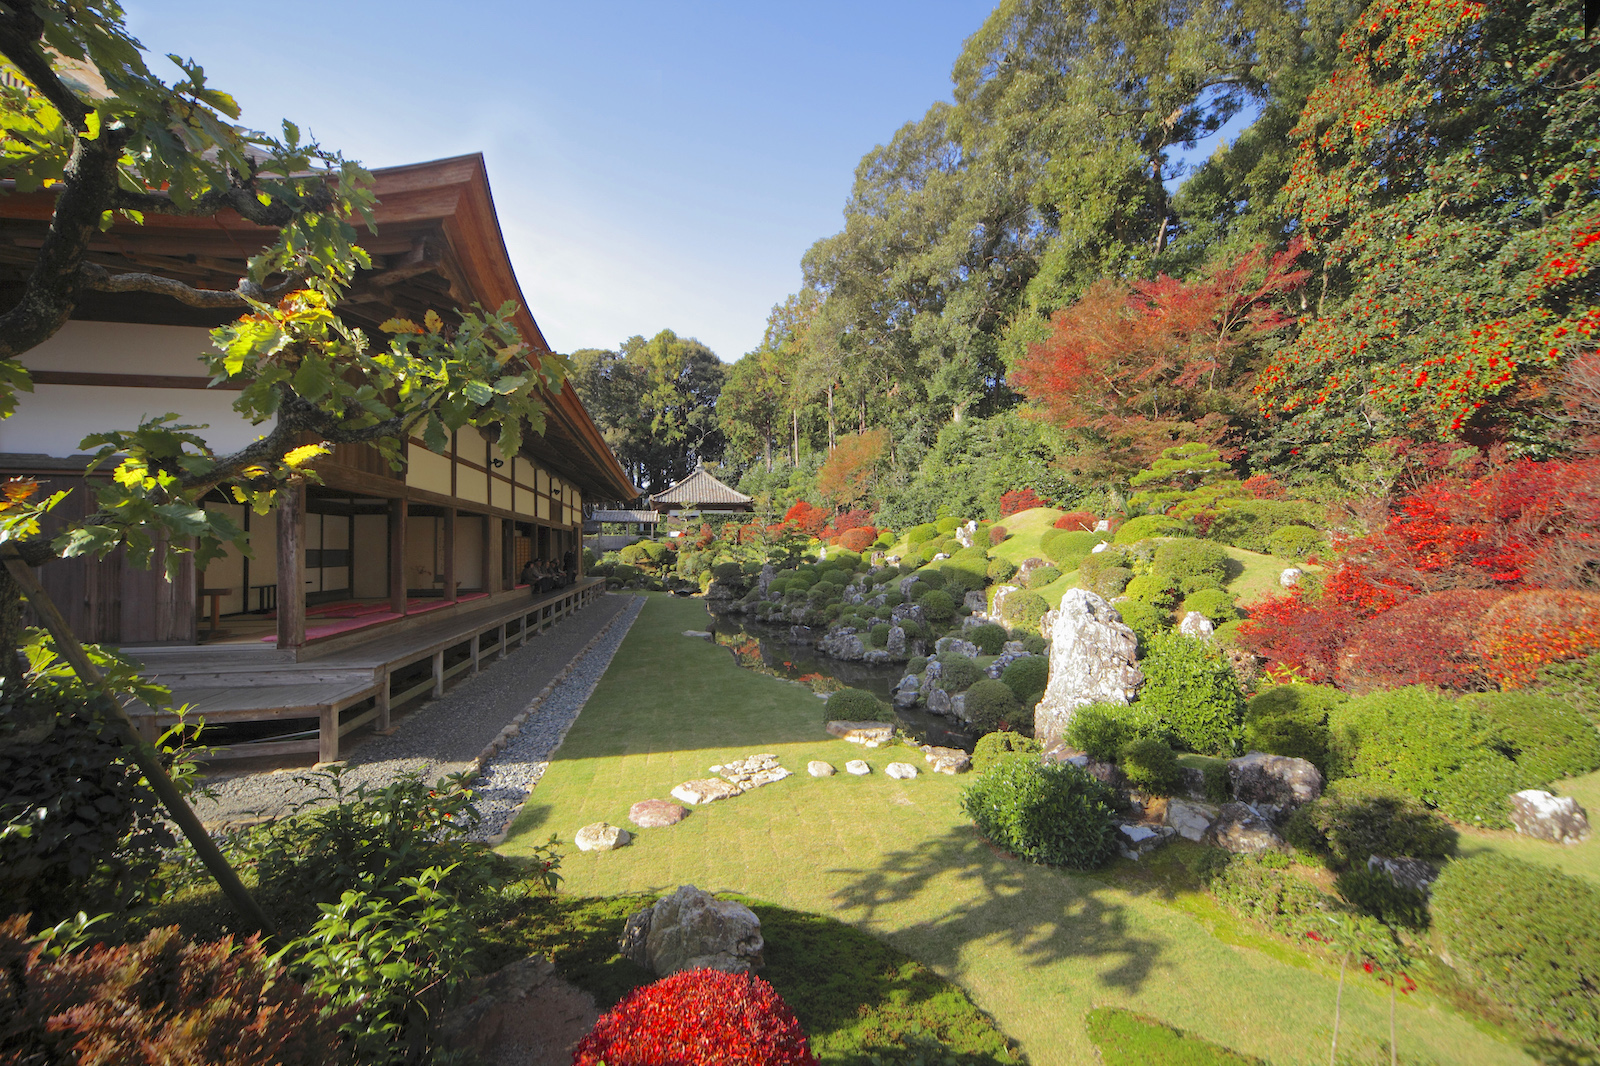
{"type": "Point", "coordinates": [851, 520]}
{"type": "Point", "coordinates": [1020, 500]}
{"type": "Point", "coordinates": [808, 519]}
{"type": "Point", "coordinates": [703, 1017]}
{"type": "Point", "coordinates": [1425, 641]}
{"type": "Point", "coordinates": [162, 1000]}
{"type": "Point", "coordinates": [1265, 487]}
{"type": "Point", "coordinates": [1528, 630]}
{"type": "Point", "coordinates": [1078, 520]}
{"type": "Point", "coordinates": [997, 536]}
{"type": "Point", "coordinates": [847, 475]}
{"type": "Point", "coordinates": [858, 539]}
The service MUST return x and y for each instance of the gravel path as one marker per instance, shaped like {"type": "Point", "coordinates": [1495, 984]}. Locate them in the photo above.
{"type": "Point", "coordinates": [466, 728]}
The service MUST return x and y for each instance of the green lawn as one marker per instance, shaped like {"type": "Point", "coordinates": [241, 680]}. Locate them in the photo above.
{"type": "Point", "coordinates": [1036, 948]}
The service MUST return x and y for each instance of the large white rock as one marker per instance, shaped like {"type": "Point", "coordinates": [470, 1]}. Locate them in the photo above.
{"type": "Point", "coordinates": [706, 790]}
{"type": "Point", "coordinates": [858, 767]}
{"type": "Point", "coordinates": [691, 930]}
{"type": "Point", "coordinates": [867, 734]}
{"type": "Point", "coordinates": [818, 768]}
{"type": "Point", "coordinates": [1291, 577]}
{"type": "Point", "coordinates": [900, 771]}
{"type": "Point", "coordinates": [1558, 819]}
{"type": "Point", "coordinates": [599, 836]}
{"type": "Point", "coordinates": [1192, 819]}
{"type": "Point", "coordinates": [1196, 625]}
{"type": "Point", "coordinates": [1092, 660]}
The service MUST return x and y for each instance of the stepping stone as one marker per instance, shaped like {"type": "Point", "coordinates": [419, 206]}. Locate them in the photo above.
{"type": "Point", "coordinates": [753, 771]}
{"type": "Point", "coordinates": [818, 768]}
{"type": "Point", "coordinates": [1138, 841]}
{"type": "Point", "coordinates": [654, 813]}
{"type": "Point", "coordinates": [701, 633]}
{"type": "Point", "coordinates": [600, 836]}
{"type": "Point", "coordinates": [706, 790]}
{"type": "Point", "coordinates": [857, 767]}
{"type": "Point", "coordinates": [947, 760]}
{"type": "Point", "coordinates": [900, 771]}
{"type": "Point", "coordinates": [868, 734]}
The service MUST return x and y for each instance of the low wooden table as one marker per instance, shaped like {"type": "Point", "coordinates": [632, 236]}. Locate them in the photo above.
{"type": "Point", "coordinates": [215, 595]}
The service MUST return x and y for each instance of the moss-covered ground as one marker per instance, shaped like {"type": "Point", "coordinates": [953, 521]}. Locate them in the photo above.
{"type": "Point", "coordinates": [1036, 948]}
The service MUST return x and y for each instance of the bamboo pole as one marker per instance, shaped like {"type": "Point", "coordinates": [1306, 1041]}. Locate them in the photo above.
{"type": "Point", "coordinates": [145, 755]}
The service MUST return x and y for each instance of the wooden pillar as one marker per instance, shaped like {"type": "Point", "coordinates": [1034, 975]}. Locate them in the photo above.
{"type": "Point", "coordinates": [438, 673]}
{"type": "Point", "coordinates": [327, 733]}
{"type": "Point", "coordinates": [397, 556]}
{"type": "Point", "coordinates": [450, 554]}
{"type": "Point", "coordinates": [476, 651]}
{"type": "Point", "coordinates": [292, 567]}
{"type": "Point", "coordinates": [383, 701]}
{"type": "Point", "coordinates": [502, 652]}
{"type": "Point", "coordinates": [489, 559]}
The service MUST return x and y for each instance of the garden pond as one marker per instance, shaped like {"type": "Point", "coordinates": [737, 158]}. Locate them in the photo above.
{"type": "Point", "coordinates": [775, 651]}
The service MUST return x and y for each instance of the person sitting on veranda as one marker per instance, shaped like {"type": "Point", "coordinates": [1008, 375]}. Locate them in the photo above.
{"type": "Point", "coordinates": [547, 577]}
{"type": "Point", "coordinates": [529, 575]}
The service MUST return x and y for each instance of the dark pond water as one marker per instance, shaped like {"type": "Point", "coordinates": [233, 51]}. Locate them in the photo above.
{"type": "Point", "coordinates": [771, 650]}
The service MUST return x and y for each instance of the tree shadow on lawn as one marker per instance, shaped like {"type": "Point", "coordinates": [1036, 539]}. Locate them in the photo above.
{"type": "Point", "coordinates": [1042, 914]}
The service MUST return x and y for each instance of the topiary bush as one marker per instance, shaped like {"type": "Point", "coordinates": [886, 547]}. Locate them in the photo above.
{"type": "Point", "coordinates": [1032, 643]}
{"type": "Point", "coordinates": [947, 524]}
{"type": "Point", "coordinates": [1295, 542]}
{"type": "Point", "coordinates": [1000, 570]}
{"type": "Point", "coordinates": [1529, 630]}
{"type": "Point", "coordinates": [1291, 720]}
{"type": "Point", "coordinates": [1067, 548]}
{"type": "Point", "coordinates": [1144, 619]}
{"type": "Point", "coordinates": [937, 606]}
{"type": "Point", "coordinates": [854, 705]}
{"type": "Point", "coordinates": [1027, 678]}
{"type": "Point", "coordinates": [698, 1016]}
{"type": "Point", "coordinates": [1150, 525]}
{"type": "Point", "coordinates": [989, 637]}
{"type": "Point", "coordinates": [1191, 689]}
{"type": "Point", "coordinates": [1249, 524]}
{"type": "Point", "coordinates": [997, 536]}
{"type": "Point", "coordinates": [1548, 738]}
{"type": "Point", "coordinates": [1215, 604]}
{"type": "Point", "coordinates": [1188, 559]}
{"type": "Point", "coordinates": [1151, 767]}
{"type": "Point", "coordinates": [1044, 575]}
{"type": "Point", "coordinates": [919, 534]}
{"type": "Point", "coordinates": [1057, 815]}
{"type": "Point", "coordinates": [1353, 820]}
{"type": "Point", "coordinates": [162, 1000]}
{"type": "Point", "coordinates": [917, 664]}
{"type": "Point", "coordinates": [1421, 741]}
{"type": "Point", "coordinates": [960, 580]}
{"type": "Point", "coordinates": [1022, 610]}
{"type": "Point", "coordinates": [991, 706]}
{"type": "Point", "coordinates": [958, 673]}
{"type": "Point", "coordinates": [932, 577]}
{"type": "Point", "coordinates": [1109, 582]}
{"type": "Point", "coordinates": [1525, 937]}
{"type": "Point", "coordinates": [1156, 590]}
{"type": "Point", "coordinates": [992, 747]}
{"type": "Point", "coordinates": [880, 635]}
{"type": "Point", "coordinates": [1099, 730]}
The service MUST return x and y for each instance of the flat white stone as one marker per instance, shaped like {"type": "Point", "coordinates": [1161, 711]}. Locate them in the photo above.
{"type": "Point", "coordinates": [1138, 833]}
{"type": "Point", "coordinates": [818, 768]}
{"type": "Point", "coordinates": [600, 836]}
{"type": "Point", "coordinates": [708, 790]}
{"type": "Point", "coordinates": [857, 767]}
{"type": "Point", "coordinates": [900, 771]}
{"type": "Point", "coordinates": [701, 633]}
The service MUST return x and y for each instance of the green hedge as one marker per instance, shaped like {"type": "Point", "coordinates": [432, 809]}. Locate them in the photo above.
{"type": "Point", "coordinates": [1526, 938]}
{"type": "Point", "coordinates": [1067, 547]}
{"type": "Point", "coordinates": [1000, 570]}
{"type": "Point", "coordinates": [989, 637]}
{"type": "Point", "coordinates": [1057, 815]}
{"type": "Point", "coordinates": [1150, 525]}
{"type": "Point", "coordinates": [958, 673]}
{"type": "Point", "coordinates": [1295, 542]}
{"type": "Point", "coordinates": [1151, 766]}
{"type": "Point", "coordinates": [1027, 677]}
{"type": "Point", "coordinates": [992, 747]}
{"type": "Point", "coordinates": [1189, 558]}
{"type": "Point", "coordinates": [1044, 575]}
{"type": "Point", "coordinates": [1549, 738]}
{"type": "Point", "coordinates": [1022, 610]}
{"type": "Point", "coordinates": [1353, 820]}
{"type": "Point", "coordinates": [1291, 720]}
{"type": "Point", "coordinates": [1249, 524]}
{"type": "Point", "coordinates": [854, 705]}
{"type": "Point", "coordinates": [937, 606]}
{"type": "Point", "coordinates": [918, 534]}
{"type": "Point", "coordinates": [1215, 604]}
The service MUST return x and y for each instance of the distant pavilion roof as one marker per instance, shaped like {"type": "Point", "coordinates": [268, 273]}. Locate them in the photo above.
{"type": "Point", "coordinates": [700, 489]}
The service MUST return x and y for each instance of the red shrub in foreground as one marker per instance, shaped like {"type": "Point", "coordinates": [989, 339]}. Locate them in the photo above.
{"type": "Point", "coordinates": [1078, 520]}
{"type": "Point", "coordinates": [997, 535]}
{"type": "Point", "coordinates": [1425, 641]}
{"type": "Point", "coordinates": [162, 1000]}
{"type": "Point", "coordinates": [1020, 500]}
{"type": "Point", "coordinates": [858, 539]}
{"type": "Point", "coordinates": [698, 1018]}
{"type": "Point", "coordinates": [1528, 630]}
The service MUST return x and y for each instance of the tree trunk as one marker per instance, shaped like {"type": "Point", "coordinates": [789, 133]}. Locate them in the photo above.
{"type": "Point", "coordinates": [13, 666]}
{"type": "Point", "coordinates": [830, 417]}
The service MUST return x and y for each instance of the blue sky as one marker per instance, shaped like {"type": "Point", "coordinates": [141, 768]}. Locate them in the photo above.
{"type": "Point", "coordinates": [654, 165]}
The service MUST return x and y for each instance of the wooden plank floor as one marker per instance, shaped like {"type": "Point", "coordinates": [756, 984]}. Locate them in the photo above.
{"type": "Point", "coordinates": [242, 684]}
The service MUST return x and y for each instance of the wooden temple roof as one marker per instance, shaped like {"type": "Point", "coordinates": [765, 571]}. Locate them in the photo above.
{"type": "Point", "coordinates": [700, 489]}
{"type": "Point", "coordinates": [438, 246]}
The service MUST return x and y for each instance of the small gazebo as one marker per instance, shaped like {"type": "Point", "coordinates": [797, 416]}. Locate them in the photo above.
{"type": "Point", "coordinates": [701, 492]}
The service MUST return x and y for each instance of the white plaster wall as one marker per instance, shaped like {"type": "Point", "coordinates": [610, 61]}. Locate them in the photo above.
{"type": "Point", "coordinates": [54, 419]}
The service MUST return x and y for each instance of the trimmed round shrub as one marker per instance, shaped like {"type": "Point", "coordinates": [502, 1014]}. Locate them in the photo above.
{"type": "Point", "coordinates": [1026, 678]}
{"type": "Point", "coordinates": [932, 577]}
{"type": "Point", "coordinates": [1548, 738]}
{"type": "Point", "coordinates": [1107, 582]}
{"type": "Point", "coordinates": [1291, 720]}
{"type": "Point", "coordinates": [854, 705]}
{"type": "Point", "coordinates": [1190, 688]}
{"type": "Point", "coordinates": [698, 1016]}
{"type": "Point", "coordinates": [1215, 604]}
{"type": "Point", "coordinates": [1295, 542]}
{"type": "Point", "coordinates": [937, 606]}
{"type": "Point", "coordinates": [1032, 643]}
{"type": "Point", "coordinates": [1078, 521]}
{"type": "Point", "coordinates": [633, 554]}
{"type": "Point", "coordinates": [1157, 590]}
{"type": "Point", "coordinates": [1022, 610]}
{"type": "Point", "coordinates": [1150, 525]}
{"type": "Point", "coordinates": [1000, 570]}
{"type": "Point", "coordinates": [997, 536]}
{"type": "Point", "coordinates": [1354, 820]}
{"type": "Point", "coordinates": [989, 637]}
{"type": "Point", "coordinates": [880, 635]}
{"type": "Point", "coordinates": [947, 524]}
{"type": "Point", "coordinates": [729, 572]}
{"type": "Point", "coordinates": [1095, 562]}
{"type": "Point", "coordinates": [858, 539]}
{"type": "Point", "coordinates": [1526, 937]}
{"type": "Point", "coordinates": [1067, 548]}
{"type": "Point", "coordinates": [1044, 575]}
{"type": "Point", "coordinates": [958, 580]}
{"type": "Point", "coordinates": [991, 706]}
{"type": "Point", "coordinates": [1099, 730]}
{"type": "Point", "coordinates": [1528, 630]}
{"type": "Point", "coordinates": [1057, 815]}
{"type": "Point", "coordinates": [918, 534]}
{"type": "Point", "coordinates": [654, 550]}
{"type": "Point", "coordinates": [1151, 767]}
{"type": "Point", "coordinates": [917, 664]}
{"type": "Point", "coordinates": [1144, 619]}
{"type": "Point", "coordinates": [1421, 741]}
{"type": "Point", "coordinates": [1249, 524]}
{"type": "Point", "coordinates": [1190, 558]}
{"type": "Point", "coordinates": [892, 598]}
{"type": "Point", "coordinates": [992, 747]}
{"type": "Point", "coordinates": [958, 673]}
